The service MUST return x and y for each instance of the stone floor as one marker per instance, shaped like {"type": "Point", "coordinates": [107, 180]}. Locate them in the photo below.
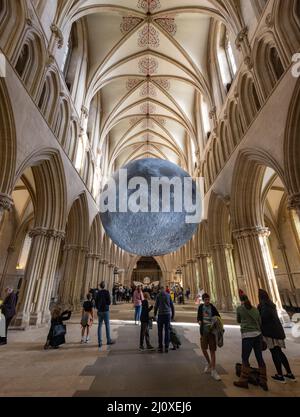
{"type": "Point", "coordinates": [122, 370]}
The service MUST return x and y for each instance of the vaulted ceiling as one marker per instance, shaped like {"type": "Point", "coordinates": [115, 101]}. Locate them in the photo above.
{"type": "Point", "coordinates": [148, 60]}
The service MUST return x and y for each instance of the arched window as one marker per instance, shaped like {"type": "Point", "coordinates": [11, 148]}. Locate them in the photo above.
{"type": "Point", "coordinates": [276, 63]}
{"type": "Point", "coordinates": [24, 253]}
{"type": "Point", "coordinates": [67, 59]}
{"type": "Point", "coordinates": [23, 60]}
{"type": "Point", "coordinates": [226, 59]}
{"type": "Point", "coordinates": [205, 118]}
{"type": "Point", "coordinates": [79, 156]}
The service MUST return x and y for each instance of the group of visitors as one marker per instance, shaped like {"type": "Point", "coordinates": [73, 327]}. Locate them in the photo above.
{"type": "Point", "coordinates": [121, 294]}
{"type": "Point", "coordinates": [261, 329]}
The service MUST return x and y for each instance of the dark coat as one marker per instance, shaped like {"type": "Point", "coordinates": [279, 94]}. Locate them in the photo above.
{"type": "Point", "coordinates": [145, 311]}
{"type": "Point", "coordinates": [9, 306]}
{"type": "Point", "coordinates": [103, 301]}
{"type": "Point", "coordinates": [58, 340]}
{"type": "Point", "coordinates": [214, 313]}
{"type": "Point", "coordinates": [271, 325]}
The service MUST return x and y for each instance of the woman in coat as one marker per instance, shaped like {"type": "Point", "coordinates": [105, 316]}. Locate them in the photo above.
{"type": "Point", "coordinates": [56, 335]}
{"type": "Point", "coordinates": [274, 336]}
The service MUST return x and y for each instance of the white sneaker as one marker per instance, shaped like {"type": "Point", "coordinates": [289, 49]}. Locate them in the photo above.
{"type": "Point", "coordinates": [207, 369]}
{"type": "Point", "coordinates": [82, 341]}
{"type": "Point", "coordinates": [215, 375]}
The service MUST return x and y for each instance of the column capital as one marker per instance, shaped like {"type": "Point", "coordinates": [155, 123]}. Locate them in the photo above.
{"type": "Point", "coordinates": [70, 247]}
{"type": "Point", "coordinates": [251, 232]}
{"type": "Point", "coordinates": [58, 34]}
{"type": "Point", "coordinates": [293, 201]}
{"type": "Point", "coordinates": [6, 202]}
{"type": "Point", "coordinates": [93, 256]}
{"type": "Point", "coordinates": [202, 255]}
{"type": "Point", "coordinates": [191, 261]}
{"type": "Point", "coordinates": [221, 246]}
{"type": "Point", "coordinates": [49, 233]}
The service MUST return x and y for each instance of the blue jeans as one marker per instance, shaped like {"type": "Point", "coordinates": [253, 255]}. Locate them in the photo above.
{"type": "Point", "coordinates": [163, 323]}
{"type": "Point", "coordinates": [254, 343]}
{"type": "Point", "coordinates": [103, 316]}
{"type": "Point", "coordinates": [137, 314]}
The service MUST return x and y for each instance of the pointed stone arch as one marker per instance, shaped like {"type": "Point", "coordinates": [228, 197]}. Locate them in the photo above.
{"type": "Point", "coordinates": [8, 149]}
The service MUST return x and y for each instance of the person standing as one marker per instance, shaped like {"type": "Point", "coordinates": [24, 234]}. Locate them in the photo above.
{"type": "Point", "coordinates": [103, 302]}
{"type": "Point", "coordinates": [87, 318]}
{"type": "Point", "coordinates": [8, 310]}
{"type": "Point", "coordinates": [250, 321]}
{"type": "Point", "coordinates": [137, 301]}
{"type": "Point", "coordinates": [165, 310]}
{"type": "Point", "coordinates": [188, 293]}
{"type": "Point", "coordinates": [145, 323]}
{"type": "Point", "coordinates": [206, 314]}
{"type": "Point", "coordinates": [274, 336]}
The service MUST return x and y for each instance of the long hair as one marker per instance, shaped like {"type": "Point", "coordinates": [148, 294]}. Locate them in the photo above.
{"type": "Point", "coordinates": [264, 298]}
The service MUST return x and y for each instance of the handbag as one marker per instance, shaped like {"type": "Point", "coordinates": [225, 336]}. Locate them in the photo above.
{"type": "Point", "coordinates": [264, 346]}
{"type": "Point", "coordinates": [59, 330]}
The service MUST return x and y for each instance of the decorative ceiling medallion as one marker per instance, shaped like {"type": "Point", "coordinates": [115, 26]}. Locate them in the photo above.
{"type": "Point", "coordinates": [132, 83]}
{"type": "Point", "coordinates": [168, 24]}
{"type": "Point", "coordinates": [129, 23]}
{"type": "Point", "coordinates": [148, 108]}
{"type": "Point", "coordinates": [148, 90]}
{"type": "Point", "coordinates": [148, 37]}
{"type": "Point", "coordinates": [148, 65]}
{"type": "Point", "coordinates": [164, 83]}
{"type": "Point", "coordinates": [149, 5]}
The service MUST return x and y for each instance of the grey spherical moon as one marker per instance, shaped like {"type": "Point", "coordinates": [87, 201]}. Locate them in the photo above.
{"type": "Point", "coordinates": [150, 233]}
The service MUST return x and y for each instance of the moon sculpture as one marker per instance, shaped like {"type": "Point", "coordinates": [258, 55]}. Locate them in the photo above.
{"type": "Point", "coordinates": [137, 220]}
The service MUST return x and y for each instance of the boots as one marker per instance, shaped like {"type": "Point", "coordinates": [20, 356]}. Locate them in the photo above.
{"type": "Point", "coordinates": [263, 379]}
{"type": "Point", "coordinates": [243, 381]}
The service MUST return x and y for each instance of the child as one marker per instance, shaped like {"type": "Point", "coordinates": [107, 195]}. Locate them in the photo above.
{"type": "Point", "coordinates": [145, 323]}
{"type": "Point", "coordinates": [87, 319]}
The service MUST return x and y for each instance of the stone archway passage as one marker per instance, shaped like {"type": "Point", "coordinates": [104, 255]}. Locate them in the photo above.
{"type": "Point", "coordinates": [126, 372]}
{"type": "Point", "coordinates": [147, 270]}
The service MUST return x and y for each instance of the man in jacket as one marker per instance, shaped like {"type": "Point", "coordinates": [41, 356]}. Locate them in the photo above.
{"type": "Point", "coordinates": [103, 302]}
{"type": "Point", "coordinates": [206, 313]}
{"type": "Point", "coordinates": [165, 309]}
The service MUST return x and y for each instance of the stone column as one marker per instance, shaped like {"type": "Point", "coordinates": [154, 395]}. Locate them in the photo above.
{"type": "Point", "coordinates": [192, 277]}
{"type": "Point", "coordinates": [294, 203]}
{"type": "Point", "coordinates": [71, 283]}
{"type": "Point", "coordinates": [256, 263]}
{"type": "Point", "coordinates": [225, 278]}
{"type": "Point", "coordinates": [39, 277]}
{"type": "Point", "coordinates": [185, 277]}
{"type": "Point", "coordinates": [203, 276]}
{"type": "Point", "coordinates": [91, 273]}
{"type": "Point", "coordinates": [110, 276]}
{"type": "Point", "coordinates": [6, 203]}
{"type": "Point", "coordinates": [10, 251]}
{"type": "Point", "coordinates": [101, 276]}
